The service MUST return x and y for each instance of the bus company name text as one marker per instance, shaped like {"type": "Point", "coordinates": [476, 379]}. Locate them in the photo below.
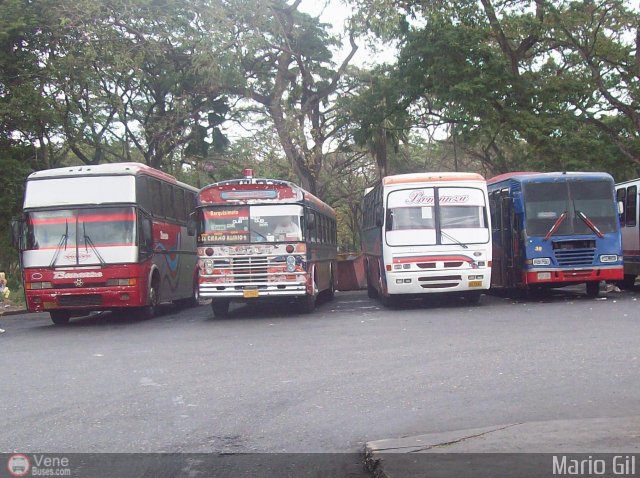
{"type": "Point", "coordinates": [76, 275]}
{"type": "Point", "coordinates": [419, 197]}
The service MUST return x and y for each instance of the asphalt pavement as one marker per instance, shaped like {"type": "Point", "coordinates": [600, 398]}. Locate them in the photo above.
{"type": "Point", "coordinates": [267, 379]}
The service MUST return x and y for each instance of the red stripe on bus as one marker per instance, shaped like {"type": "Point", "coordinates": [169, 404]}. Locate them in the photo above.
{"type": "Point", "coordinates": [81, 246]}
{"type": "Point", "coordinates": [405, 260]}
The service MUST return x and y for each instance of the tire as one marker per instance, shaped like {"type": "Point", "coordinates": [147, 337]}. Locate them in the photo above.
{"type": "Point", "coordinates": [331, 291]}
{"type": "Point", "coordinates": [593, 288]}
{"type": "Point", "coordinates": [307, 304]}
{"type": "Point", "coordinates": [628, 282]}
{"type": "Point", "coordinates": [220, 307]}
{"type": "Point", "coordinates": [389, 301]}
{"type": "Point", "coordinates": [153, 300]}
{"type": "Point", "coordinates": [472, 298]}
{"type": "Point", "coordinates": [371, 291]}
{"type": "Point", "coordinates": [60, 317]}
{"type": "Point", "coordinates": [193, 301]}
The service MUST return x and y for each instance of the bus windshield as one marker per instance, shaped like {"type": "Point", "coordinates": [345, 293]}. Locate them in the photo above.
{"type": "Point", "coordinates": [107, 226]}
{"type": "Point", "coordinates": [411, 218]}
{"type": "Point", "coordinates": [583, 202]}
{"type": "Point", "coordinates": [251, 224]}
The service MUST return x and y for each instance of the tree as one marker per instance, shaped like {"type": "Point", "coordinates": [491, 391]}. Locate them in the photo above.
{"type": "Point", "coordinates": [288, 70]}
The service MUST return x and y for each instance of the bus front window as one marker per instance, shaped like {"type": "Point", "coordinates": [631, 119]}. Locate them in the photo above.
{"type": "Point", "coordinates": [581, 201]}
{"type": "Point", "coordinates": [251, 224]}
{"type": "Point", "coordinates": [109, 226]}
{"type": "Point", "coordinates": [276, 223]}
{"type": "Point", "coordinates": [594, 199]}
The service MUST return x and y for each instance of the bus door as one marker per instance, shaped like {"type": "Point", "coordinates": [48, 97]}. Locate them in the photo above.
{"type": "Point", "coordinates": [510, 265]}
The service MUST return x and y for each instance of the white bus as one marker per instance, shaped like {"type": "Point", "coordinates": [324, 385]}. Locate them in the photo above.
{"type": "Point", "coordinates": [106, 237]}
{"type": "Point", "coordinates": [627, 198]}
{"type": "Point", "coordinates": [427, 233]}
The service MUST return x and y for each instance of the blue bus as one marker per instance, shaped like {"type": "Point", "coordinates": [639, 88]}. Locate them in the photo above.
{"type": "Point", "coordinates": [553, 230]}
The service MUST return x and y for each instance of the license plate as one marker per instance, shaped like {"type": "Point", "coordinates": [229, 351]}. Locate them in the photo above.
{"type": "Point", "coordinates": [250, 293]}
{"type": "Point", "coordinates": [544, 275]}
{"type": "Point", "coordinates": [49, 305]}
{"type": "Point", "coordinates": [475, 283]}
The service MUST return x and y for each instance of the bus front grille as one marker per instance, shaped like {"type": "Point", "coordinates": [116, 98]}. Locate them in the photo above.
{"type": "Point", "coordinates": [250, 269]}
{"type": "Point", "coordinates": [574, 257]}
{"type": "Point", "coordinates": [80, 300]}
{"type": "Point", "coordinates": [440, 282]}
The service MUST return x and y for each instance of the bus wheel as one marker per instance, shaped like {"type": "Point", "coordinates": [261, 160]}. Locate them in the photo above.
{"type": "Point", "coordinates": [389, 301]}
{"type": "Point", "coordinates": [194, 300]}
{"type": "Point", "coordinates": [220, 307]}
{"type": "Point", "coordinates": [331, 291]}
{"type": "Point", "coordinates": [371, 291]}
{"type": "Point", "coordinates": [153, 301]}
{"type": "Point", "coordinates": [59, 317]}
{"type": "Point", "coordinates": [472, 297]}
{"type": "Point", "coordinates": [307, 304]}
{"type": "Point", "coordinates": [593, 289]}
{"type": "Point", "coordinates": [628, 282]}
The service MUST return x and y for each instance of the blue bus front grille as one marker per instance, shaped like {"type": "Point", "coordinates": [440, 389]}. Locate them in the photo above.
{"type": "Point", "coordinates": [574, 257]}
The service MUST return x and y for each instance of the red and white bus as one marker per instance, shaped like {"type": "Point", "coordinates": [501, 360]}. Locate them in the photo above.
{"type": "Point", "coordinates": [264, 238]}
{"type": "Point", "coordinates": [106, 237]}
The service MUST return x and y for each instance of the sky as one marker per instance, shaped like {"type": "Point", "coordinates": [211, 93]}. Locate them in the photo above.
{"type": "Point", "coordinates": [335, 13]}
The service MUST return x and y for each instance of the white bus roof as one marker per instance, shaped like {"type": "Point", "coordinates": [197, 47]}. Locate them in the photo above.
{"type": "Point", "coordinates": [108, 169]}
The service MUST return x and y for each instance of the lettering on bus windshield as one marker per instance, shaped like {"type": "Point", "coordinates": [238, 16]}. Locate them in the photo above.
{"type": "Point", "coordinates": [419, 197]}
{"type": "Point", "coordinates": [226, 225]}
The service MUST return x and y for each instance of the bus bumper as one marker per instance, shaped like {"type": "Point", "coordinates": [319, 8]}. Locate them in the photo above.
{"type": "Point", "coordinates": [559, 276]}
{"type": "Point", "coordinates": [438, 281]}
{"type": "Point", "coordinates": [247, 291]}
{"type": "Point", "coordinates": [88, 299]}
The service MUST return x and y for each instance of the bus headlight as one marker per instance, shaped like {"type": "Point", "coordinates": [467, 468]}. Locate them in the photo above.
{"type": "Point", "coordinates": [609, 258]}
{"type": "Point", "coordinates": [39, 285]}
{"type": "Point", "coordinates": [541, 261]}
{"type": "Point", "coordinates": [291, 264]}
{"type": "Point", "coordinates": [121, 282]}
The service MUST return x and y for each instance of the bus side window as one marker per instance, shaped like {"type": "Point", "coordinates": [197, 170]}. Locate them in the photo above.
{"type": "Point", "coordinates": [631, 206]}
{"type": "Point", "coordinates": [621, 196]}
{"type": "Point", "coordinates": [156, 197]}
{"type": "Point", "coordinates": [181, 213]}
{"type": "Point", "coordinates": [167, 200]}
{"type": "Point", "coordinates": [190, 202]}
{"type": "Point", "coordinates": [143, 195]}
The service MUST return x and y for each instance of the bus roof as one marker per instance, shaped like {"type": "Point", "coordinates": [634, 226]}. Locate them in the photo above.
{"type": "Point", "coordinates": [107, 169]}
{"type": "Point", "coordinates": [630, 181]}
{"type": "Point", "coordinates": [531, 175]}
{"type": "Point", "coordinates": [206, 198]}
{"type": "Point", "coordinates": [430, 177]}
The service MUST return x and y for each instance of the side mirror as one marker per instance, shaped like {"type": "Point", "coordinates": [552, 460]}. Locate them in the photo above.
{"type": "Point", "coordinates": [191, 224]}
{"type": "Point", "coordinates": [17, 227]}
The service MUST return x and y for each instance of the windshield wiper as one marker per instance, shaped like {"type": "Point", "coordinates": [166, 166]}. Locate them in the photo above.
{"type": "Point", "coordinates": [556, 225]}
{"type": "Point", "coordinates": [89, 242]}
{"type": "Point", "coordinates": [589, 223]}
{"type": "Point", "coordinates": [257, 233]}
{"type": "Point", "coordinates": [451, 238]}
{"type": "Point", "coordinates": [63, 242]}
